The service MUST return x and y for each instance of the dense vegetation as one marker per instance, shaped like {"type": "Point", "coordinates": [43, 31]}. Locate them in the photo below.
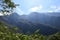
{"type": "Point", "coordinates": [29, 26]}
{"type": "Point", "coordinates": [11, 33]}
{"type": "Point", "coordinates": [7, 33]}
{"type": "Point", "coordinates": [7, 5]}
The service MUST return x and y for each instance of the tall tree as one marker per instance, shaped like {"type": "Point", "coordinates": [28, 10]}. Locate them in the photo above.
{"type": "Point", "coordinates": [7, 6]}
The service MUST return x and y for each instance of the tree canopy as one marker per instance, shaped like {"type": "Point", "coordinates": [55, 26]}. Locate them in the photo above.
{"type": "Point", "coordinates": [7, 6]}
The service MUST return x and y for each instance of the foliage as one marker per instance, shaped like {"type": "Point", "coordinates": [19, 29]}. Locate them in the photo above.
{"type": "Point", "coordinates": [54, 37]}
{"type": "Point", "coordinates": [7, 5]}
{"type": "Point", "coordinates": [6, 33]}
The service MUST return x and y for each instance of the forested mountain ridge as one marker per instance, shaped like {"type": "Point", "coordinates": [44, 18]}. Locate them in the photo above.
{"type": "Point", "coordinates": [30, 23]}
{"type": "Point", "coordinates": [52, 19]}
{"type": "Point", "coordinates": [10, 33]}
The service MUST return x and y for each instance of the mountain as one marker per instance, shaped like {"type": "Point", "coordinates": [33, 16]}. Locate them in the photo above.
{"type": "Point", "coordinates": [52, 19]}
{"type": "Point", "coordinates": [30, 23]}
{"type": "Point", "coordinates": [54, 14]}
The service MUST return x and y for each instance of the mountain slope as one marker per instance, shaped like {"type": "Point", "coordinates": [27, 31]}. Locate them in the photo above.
{"type": "Point", "coordinates": [52, 19]}
{"type": "Point", "coordinates": [27, 25]}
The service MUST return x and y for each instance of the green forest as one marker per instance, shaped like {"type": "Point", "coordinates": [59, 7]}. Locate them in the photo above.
{"type": "Point", "coordinates": [11, 33]}
{"type": "Point", "coordinates": [8, 33]}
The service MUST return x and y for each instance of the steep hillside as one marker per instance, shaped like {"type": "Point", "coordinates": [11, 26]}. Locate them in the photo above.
{"type": "Point", "coordinates": [30, 25]}
{"type": "Point", "coordinates": [52, 19]}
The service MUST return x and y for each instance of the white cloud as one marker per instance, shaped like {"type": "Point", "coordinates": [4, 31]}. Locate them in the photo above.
{"type": "Point", "coordinates": [53, 7]}
{"type": "Point", "coordinates": [1, 14]}
{"type": "Point", "coordinates": [50, 11]}
{"type": "Point", "coordinates": [19, 11]}
{"type": "Point", "coordinates": [35, 9]}
{"type": "Point", "coordinates": [58, 9]}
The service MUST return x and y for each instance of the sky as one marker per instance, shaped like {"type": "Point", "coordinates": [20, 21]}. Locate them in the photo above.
{"type": "Point", "coordinates": [28, 6]}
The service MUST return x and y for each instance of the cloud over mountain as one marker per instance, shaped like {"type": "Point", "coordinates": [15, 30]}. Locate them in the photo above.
{"type": "Point", "coordinates": [36, 8]}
